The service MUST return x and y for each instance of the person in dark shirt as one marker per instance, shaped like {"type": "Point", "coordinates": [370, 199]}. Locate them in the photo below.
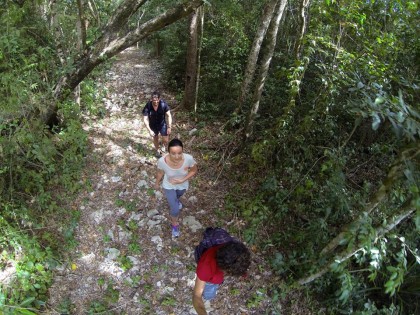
{"type": "Point", "coordinates": [232, 258]}
{"type": "Point", "coordinates": [158, 120]}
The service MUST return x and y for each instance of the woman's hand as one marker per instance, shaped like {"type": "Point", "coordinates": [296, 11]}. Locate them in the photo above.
{"type": "Point", "coordinates": [175, 181]}
{"type": "Point", "coordinates": [159, 176]}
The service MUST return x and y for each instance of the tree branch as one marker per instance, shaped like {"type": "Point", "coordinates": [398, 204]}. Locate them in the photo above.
{"type": "Point", "coordinates": [406, 210]}
{"type": "Point", "coordinates": [109, 44]}
{"type": "Point", "coordinates": [393, 175]}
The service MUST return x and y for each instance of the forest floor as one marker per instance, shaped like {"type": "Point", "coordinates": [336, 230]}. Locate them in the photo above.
{"type": "Point", "coordinates": [125, 260]}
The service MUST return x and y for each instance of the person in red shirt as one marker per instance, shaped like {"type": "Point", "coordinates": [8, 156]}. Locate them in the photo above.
{"type": "Point", "coordinates": [232, 258]}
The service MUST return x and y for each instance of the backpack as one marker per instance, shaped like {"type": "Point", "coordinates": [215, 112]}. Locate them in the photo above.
{"type": "Point", "coordinates": [212, 237]}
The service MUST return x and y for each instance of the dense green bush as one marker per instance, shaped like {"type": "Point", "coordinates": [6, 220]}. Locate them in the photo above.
{"type": "Point", "coordinates": [39, 165]}
{"type": "Point", "coordinates": [34, 163]}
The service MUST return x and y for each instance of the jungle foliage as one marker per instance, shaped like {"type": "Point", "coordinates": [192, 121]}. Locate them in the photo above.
{"type": "Point", "coordinates": [39, 165]}
{"type": "Point", "coordinates": [334, 158]}
{"type": "Point", "coordinates": [334, 197]}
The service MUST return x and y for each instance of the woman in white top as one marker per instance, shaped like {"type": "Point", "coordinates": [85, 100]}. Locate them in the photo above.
{"type": "Point", "coordinates": [176, 168]}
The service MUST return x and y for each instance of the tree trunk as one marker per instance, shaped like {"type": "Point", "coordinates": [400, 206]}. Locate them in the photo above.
{"type": "Point", "coordinates": [251, 65]}
{"type": "Point", "coordinates": [303, 9]}
{"type": "Point", "coordinates": [299, 69]}
{"type": "Point", "coordinates": [200, 44]}
{"type": "Point", "coordinates": [94, 10]}
{"type": "Point", "coordinates": [191, 71]}
{"type": "Point", "coordinates": [56, 31]}
{"type": "Point", "coordinates": [111, 43]}
{"type": "Point", "coordinates": [265, 65]}
{"type": "Point", "coordinates": [81, 41]}
{"type": "Point", "coordinates": [81, 27]}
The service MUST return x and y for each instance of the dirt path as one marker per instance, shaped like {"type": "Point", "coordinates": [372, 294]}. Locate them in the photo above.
{"type": "Point", "coordinates": [126, 261]}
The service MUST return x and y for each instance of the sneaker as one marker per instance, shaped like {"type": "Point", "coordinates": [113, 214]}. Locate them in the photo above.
{"type": "Point", "coordinates": [179, 205]}
{"type": "Point", "coordinates": [175, 231]}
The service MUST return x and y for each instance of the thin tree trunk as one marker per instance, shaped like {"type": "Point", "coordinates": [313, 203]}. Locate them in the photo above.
{"type": "Point", "coordinates": [303, 17]}
{"type": "Point", "coordinates": [265, 65]}
{"type": "Point", "coordinates": [200, 44]}
{"type": "Point", "coordinates": [192, 63]}
{"type": "Point", "coordinates": [138, 23]}
{"type": "Point", "coordinates": [298, 73]}
{"type": "Point", "coordinates": [56, 31]}
{"type": "Point", "coordinates": [251, 65]}
{"type": "Point", "coordinates": [81, 40]}
{"type": "Point", "coordinates": [94, 10]}
{"type": "Point", "coordinates": [81, 27]}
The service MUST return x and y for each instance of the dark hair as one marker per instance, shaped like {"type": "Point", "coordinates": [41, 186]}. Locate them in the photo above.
{"type": "Point", "coordinates": [156, 93]}
{"type": "Point", "coordinates": [175, 143]}
{"type": "Point", "coordinates": [233, 258]}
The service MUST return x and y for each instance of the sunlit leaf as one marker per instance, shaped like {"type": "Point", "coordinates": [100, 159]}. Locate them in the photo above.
{"type": "Point", "coordinates": [376, 122]}
{"type": "Point", "coordinates": [379, 100]}
{"type": "Point", "coordinates": [27, 302]}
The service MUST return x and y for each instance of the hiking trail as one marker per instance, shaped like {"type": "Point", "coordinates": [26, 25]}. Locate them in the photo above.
{"type": "Point", "coordinates": [125, 260]}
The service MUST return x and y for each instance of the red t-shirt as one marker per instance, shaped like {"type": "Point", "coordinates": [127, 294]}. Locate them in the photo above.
{"type": "Point", "coordinates": [207, 269]}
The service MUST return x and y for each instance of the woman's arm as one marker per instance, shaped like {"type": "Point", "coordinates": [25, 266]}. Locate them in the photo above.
{"type": "Point", "coordinates": [191, 172]}
{"type": "Point", "coordinates": [197, 299]}
{"type": "Point", "coordinates": [159, 175]}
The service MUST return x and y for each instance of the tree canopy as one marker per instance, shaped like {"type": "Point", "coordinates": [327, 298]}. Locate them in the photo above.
{"type": "Point", "coordinates": [318, 102]}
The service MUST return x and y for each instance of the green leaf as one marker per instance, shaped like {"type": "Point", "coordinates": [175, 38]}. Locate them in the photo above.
{"type": "Point", "coordinates": [376, 122]}
{"type": "Point", "coordinates": [400, 117]}
{"type": "Point", "coordinates": [25, 312]}
{"type": "Point", "coordinates": [27, 302]}
{"type": "Point", "coordinates": [344, 295]}
{"type": "Point", "coordinates": [390, 287]}
{"type": "Point", "coordinates": [379, 100]}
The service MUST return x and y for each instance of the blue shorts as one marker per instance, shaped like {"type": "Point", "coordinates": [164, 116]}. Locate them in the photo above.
{"type": "Point", "coordinates": [162, 129]}
{"type": "Point", "coordinates": [210, 290]}
{"type": "Point", "coordinates": [173, 195]}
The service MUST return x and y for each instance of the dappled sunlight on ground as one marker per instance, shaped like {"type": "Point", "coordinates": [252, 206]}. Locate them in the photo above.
{"type": "Point", "coordinates": [126, 261]}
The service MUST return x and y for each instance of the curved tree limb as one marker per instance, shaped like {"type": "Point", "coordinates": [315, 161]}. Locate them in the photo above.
{"type": "Point", "coordinates": [393, 175]}
{"type": "Point", "coordinates": [110, 43]}
{"type": "Point", "coordinates": [406, 211]}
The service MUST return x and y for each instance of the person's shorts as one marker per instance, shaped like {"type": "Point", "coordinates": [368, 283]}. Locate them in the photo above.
{"type": "Point", "coordinates": [162, 129]}
{"type": "Point", "coordinates": [210, 290]}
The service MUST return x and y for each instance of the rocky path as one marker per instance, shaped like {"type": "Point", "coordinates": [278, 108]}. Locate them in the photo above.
{"type": "Point", "coordinates": [126, 261]}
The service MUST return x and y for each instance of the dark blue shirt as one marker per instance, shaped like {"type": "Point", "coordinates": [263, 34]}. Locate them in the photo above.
{"type": "Point", "coordinates": [156, 118]}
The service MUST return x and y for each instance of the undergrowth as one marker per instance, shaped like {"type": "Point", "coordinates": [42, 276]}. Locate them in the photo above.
{"type": "Point", "coordinates": [41, 172]}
